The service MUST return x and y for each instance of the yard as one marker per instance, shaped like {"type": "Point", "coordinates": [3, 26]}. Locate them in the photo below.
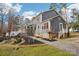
{"type": "Point", "coordinates": [74, 34]}
{"type": "Point", "coordinates": [38, 50]}
{"type": "Point", "coordinates": [73, 37]}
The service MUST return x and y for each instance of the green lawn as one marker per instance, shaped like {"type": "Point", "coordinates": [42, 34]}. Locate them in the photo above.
{"type": "Point", "coordinates": [42, 50]}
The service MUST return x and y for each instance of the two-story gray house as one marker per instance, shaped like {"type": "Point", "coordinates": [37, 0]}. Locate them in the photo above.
{"type": "Point", "coordinates": [48, 24]}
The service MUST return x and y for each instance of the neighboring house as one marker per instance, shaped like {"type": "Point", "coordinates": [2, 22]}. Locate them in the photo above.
{"type": "Point", "coordinates": [14, 23]}
{"type": "Point", "coordinates": [23, 24]}
{"type": "Point", "coordinates": [49, 24]}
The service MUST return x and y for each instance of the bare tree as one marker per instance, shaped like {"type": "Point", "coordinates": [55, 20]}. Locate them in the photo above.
{"type": "Point", "coordinates": [2, 14]}
{"type": "Point", "coordinates": [75, 22]}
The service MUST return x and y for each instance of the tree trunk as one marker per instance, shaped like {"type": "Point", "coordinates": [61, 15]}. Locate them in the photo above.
{"type": "Point", "coordinates": [68, 34]}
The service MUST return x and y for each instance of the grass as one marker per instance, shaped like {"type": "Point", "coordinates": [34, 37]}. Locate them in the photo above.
{"type": "Point", "coordinates": [74, 34]}
{"type": "Point", "coordinates": [41, 50]}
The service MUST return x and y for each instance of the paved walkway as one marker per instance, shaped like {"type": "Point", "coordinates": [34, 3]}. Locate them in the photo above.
{"type": "Point", "coordinates": [61, 45]}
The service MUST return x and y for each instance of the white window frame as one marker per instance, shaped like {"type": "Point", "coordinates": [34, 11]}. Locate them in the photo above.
{"type": "Point", "coordinates": [59, 26]}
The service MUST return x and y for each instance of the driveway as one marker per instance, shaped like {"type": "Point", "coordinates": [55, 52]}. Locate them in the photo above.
{"type": "Point", "coordinates": [63, 44]}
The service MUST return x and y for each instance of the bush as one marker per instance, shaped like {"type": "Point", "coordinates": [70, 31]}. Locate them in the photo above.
{"type": "Point", "coordinates": [18, 40]}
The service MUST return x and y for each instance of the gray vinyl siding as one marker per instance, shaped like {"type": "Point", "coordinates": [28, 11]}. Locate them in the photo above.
{"type": "Point", "coordinates": [37, 19]}
{"type": "Point", "coordinates": [55, 24]}
{"type": "Point", "coordinates": [48, 14]}
{"type": "Point", "coordinates": [37, 22]}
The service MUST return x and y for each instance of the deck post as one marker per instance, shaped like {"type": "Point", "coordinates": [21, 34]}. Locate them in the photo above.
{"type": "Point", "coordinates": [58, 35]}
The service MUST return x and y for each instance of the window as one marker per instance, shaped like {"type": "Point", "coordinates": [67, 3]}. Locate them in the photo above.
{"type": "Point", "coordinates": [45, 25]}
{"type": "Point", "coordinates": [60, 26]}
{"type": "Point", "coordinates": [38, 27]}
{"type": "Point", "coordinates": [35, 28]}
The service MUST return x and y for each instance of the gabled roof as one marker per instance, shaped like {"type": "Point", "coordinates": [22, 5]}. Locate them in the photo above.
{"type": "Point", "coordinates": [42, 13]}
{"type": "Point", "coordinates": [52, 17]}
{"type": "Point", "coordinates": [61, 16]}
